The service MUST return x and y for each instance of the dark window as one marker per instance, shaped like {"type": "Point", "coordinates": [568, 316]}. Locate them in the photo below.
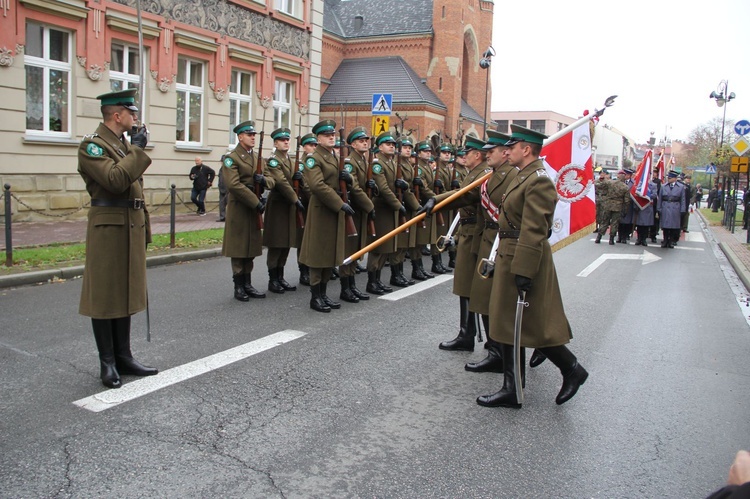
{"type": "Point", "coordinates": [502, 126]}
{"type": "Point", "coordinates": [522, 123]}
{"type": "Point", "coordinates": [537, 125]}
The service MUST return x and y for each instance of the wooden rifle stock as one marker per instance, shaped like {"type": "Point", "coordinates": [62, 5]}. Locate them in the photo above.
{"type": "Point", "coordinates": [418, 193]}
{"type": "Point", "coordinates": [351, 229]}
{"type": "Point", "coordinates": [259, 171]}
{"type": "Point", "coordinates": [295, 186]}
{"type": "Point", "coordinates": [370, 221]}
{"type": "Point", "coordinates": [400, 192]}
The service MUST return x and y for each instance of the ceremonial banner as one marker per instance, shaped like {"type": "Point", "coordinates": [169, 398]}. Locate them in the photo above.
{"type": "Point", "coordinates": [568, 163]}
{"type": "Point", "coordinates": [639, 190]}
{"type": "Point", "coordinates": [660, 167]}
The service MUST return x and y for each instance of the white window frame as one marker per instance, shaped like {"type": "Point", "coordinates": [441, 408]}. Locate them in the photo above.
{"type": "Point", "coordinates": [191, 90]}
{"type": "Point", "coordinates": [236, 99]}
{"type": "Point", "coordinates": [48, 65]}
{"type": "Point", "coordinates": [127, 76]}
{"type": "Point", "coordinates": [279, 104]}
{"type": "Point", "coordinates": [289, 7]}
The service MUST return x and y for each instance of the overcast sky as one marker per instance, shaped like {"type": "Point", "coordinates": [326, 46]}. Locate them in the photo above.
{"type": "Point", "coordinates": [661, 57]}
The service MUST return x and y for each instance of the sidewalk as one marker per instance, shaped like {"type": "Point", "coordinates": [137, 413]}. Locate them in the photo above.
{"type": "Point", "coordinates": [735, 248]}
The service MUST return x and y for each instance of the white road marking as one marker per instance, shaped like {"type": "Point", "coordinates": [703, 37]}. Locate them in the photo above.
{"type": "Point", "coordinates": [404, 292]}
{"type": "Point", "coordinates": [694, 237]}
{"type": "Point", "coordinates": [645, 256]}
{"type": "Point", "coordinates": [144, 386]}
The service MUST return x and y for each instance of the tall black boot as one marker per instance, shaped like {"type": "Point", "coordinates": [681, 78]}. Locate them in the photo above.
{"type": "Point", "coordinates": [239, 288]}
{"type": "Point", "coordinates": [105, 344]}
{"type": "Point", "coordinates": [452, 259]}
{"type": "Point", "coordinates": [282, 281]}
{"type": "Point", "coordinates": [346, 291]}
{"type": "Point", "coordinates": [409, 282]}
{"type": "Point", "coordinates": [506, 397]}
{"type": "Point", "coordinates": [426, 273]}
{"type": "Point", "coordinates": [440, 262]}
{"type": "Point", "coordinates": [324, 296]}
{"type": "Point", "coordinates": [536, 358]}
{"type": "Point", "coordinates": [467, 330]}
{"type": "Point", "coordinates": [598, 239]}
{"type": "Point", "coordinates": [396, 278]}
{"type": "Point", "coordinates": [316, 302]}
{"type": "Point", "coordinates": [353, 286]}
{"type": "Point", "coordinates": [372, 284]}
{"type": "Point", "coordinates": [250, 290]}
{"type": "Point", "coordinates": [416, 272]}
{"type": "Point", "coordinates": [493, 363]}
{"type": "Point", "coordinates": [386, 289]}
{"type": "Point", "coordinates": [437, 265]}
{"type": "Point", "coordinates": [574, 375]}
{"type": "Point", "coordinates": [274, 286]}
{"type": "Point", "coordinates": [304, 274]}
{"type": "Point", "coordinates": [124, 360]}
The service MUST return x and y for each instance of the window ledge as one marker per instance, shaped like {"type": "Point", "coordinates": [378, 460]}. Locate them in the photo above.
{"type": "Point", "coordinates": [50, 140]}
{"type": "Point", "coordinates": [187, 148]}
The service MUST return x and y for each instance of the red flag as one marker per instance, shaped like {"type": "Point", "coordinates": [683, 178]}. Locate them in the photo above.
{"type": "Point", "coordinates": [660, 167]}
{"type": "Point", "coordinates": [639, 190]}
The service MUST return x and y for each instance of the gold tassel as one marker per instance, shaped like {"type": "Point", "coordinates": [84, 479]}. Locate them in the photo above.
{"type": "Point", "coordinates": [588, 230]}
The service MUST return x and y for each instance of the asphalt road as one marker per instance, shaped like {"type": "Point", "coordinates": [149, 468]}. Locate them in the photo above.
{"type": "Point", "coordinates": [363, 404]}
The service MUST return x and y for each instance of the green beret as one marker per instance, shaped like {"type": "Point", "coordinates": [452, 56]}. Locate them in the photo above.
{"type": "Point", "coordinates": [281, 133]}
{"type": "Point", "coordinates": [384, 138]}
{"type": "Point", "coordinates": [495, 139]}
{"type": "Point", "coordinates": [325, 126]}
{"type": "Point", "coordinates": [523, 134]}
{"type": "Point", "coordinates": [473, 143]}
{"type": "Point", "coordinates": [423, 146]}
{"type": "Point", "coordinates": [125, 98]}
{"type": "Point", "coordinates": [245, 127]}
{"type": "Point", "coordinates": [358, 133]}
{"type": "Point", "coordinates": [308, 139]}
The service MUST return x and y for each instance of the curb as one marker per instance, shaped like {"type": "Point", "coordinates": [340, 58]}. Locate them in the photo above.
{"type": "Point", "coordinates": [739, 267]}
{"type": "Point", "coordinates": [41, 276]}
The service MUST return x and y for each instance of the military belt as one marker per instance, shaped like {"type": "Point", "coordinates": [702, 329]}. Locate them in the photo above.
{"type": "Point", "coordinates": [136, 204]}
{"type": "Point", "coordinates": [467, 220]}
{"type": "Point", "coordinates": [491, 225]}
{"type": "Point", "coordinates": [672, 199]}
{"type": "Point", "coordinates": [509, 234]}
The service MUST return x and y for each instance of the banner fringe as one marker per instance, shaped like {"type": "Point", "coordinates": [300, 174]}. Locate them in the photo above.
{"type": "Point", "coordinates": [586, 231]}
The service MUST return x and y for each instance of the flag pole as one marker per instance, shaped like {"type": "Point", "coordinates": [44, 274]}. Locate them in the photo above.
{"type": "Point", "coordinates": [476, 183]}
{"type": "Point", "coordinates": [142, 79]}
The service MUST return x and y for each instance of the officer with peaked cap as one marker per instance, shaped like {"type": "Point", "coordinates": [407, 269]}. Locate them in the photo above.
{"type": "Point", "coordinates": [308, 143]}
{"type": "Point", "coordinates": [526, 266]}
{"type": "Point", "coordinates": [626, 219]}
{"type": "Point", "coordinates": [114, 278]}
{"type": "Point", "coordinates": [672, 203]}
{"type": "Point", "coordinates": [406, 240]}
{"type": "Point", "coordinates": [426, 231]}
{"type": "Point", "coordinates": [280, 231]}
{"type": "Point", "coordinates": [443, 178]}
{"type": "Point", "coordinates": [243, 239]}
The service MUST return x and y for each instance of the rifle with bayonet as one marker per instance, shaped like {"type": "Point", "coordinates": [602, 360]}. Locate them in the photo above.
{"type": "Point", "coordinates": [296, 187]}
{"type": "Point", "coordinates": [399, 191]}
{"type": "Point", "coordinates": [258, 187]}
{"type": "Point", "coordinates": [370, 155]}
{"type": "Point", "coordinates": [351, 229]}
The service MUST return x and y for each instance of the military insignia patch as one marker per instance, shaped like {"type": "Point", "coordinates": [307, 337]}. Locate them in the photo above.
{"type": "Point", "coordinates": [228, 162]}
{"type": "Point", "coordinates": [348, 167]}
{"type": "Point", "coordinates": [419, 172]}
{"type": "Point", "coordinates": [273, 163]}
{"type": "Point", "coordinates": [310, 162]}
{"type": "Point", "coordinates": [301, 167]}
{"type": "Point", "coordinates": [541, 173]}
{"type": "Point", "coordinates": [377, 169]}
{"type": "Point", "coordinates": [94, 150]}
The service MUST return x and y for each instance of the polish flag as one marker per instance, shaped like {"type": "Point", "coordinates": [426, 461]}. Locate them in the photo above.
{"type": "Point", "coordinates": [569, 165]}
{"type": "Point", "coordinates": [639, 190]}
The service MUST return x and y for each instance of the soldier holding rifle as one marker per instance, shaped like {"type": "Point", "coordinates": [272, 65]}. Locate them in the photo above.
{"type": "Point", "coordinates": [426, 229]}
{"type": "Point", "coordinates": [308, 143]}
{"type": "Point", "coordinates": [407, 239]}
{"type": "Point", "coordinates": [442, 184]}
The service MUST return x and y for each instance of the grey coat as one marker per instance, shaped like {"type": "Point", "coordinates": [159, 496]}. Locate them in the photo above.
{"type": "Point", "coordinates": [672, 204]}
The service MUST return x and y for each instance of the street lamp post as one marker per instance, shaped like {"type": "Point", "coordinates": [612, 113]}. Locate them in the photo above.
{"type": "Point", "coordinates": [722, 96]}
{"type": "Point", "coordinates": [484, 63]}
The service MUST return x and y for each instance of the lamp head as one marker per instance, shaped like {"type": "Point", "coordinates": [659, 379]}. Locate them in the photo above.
{"type": "Point", "coordinates": [484, 63]}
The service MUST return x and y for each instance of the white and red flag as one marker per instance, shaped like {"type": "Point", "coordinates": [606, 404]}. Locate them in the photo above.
{"type": "Point", "coordinates": [639, 190]}
{"type": "Point", "coordinates": [660, 167]}
{"type": "Point", "coordinates": [569, 165]}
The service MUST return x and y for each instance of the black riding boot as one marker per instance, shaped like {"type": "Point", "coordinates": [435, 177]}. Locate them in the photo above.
{"type": "Point", "coordinates": [105, 344]}
{"type": "Point", "coordinates": [282, 281]}
{"type": "Point", "coordinates": [274, 286]}
{"type": "Point", "coordinates": [324, 297]}
{"type": "Point", "coordinates": [239, 288]}
{"type": "Point", "coordinates": [250, 290]}
{"type": "Point", "coordinates": [353, 286]}
{"type": "Point", "coordinates": [386, 289]}
{"type": "Point", "coordinates": [346, 291]}
{"type": "Point", "coordinates": [574, 375]}
{"type": "Point", "coordinates": [536, 358]}
{"type": "Point", "coordinates": [506, 397]}
{"type": "Point", "coordinates": [493, 363]}
{"type": "Point", "coordinates": [465, 339]}
{"type": "Point", "coordinates": [124, 360]}
{"type": "Point", "coordinates": [437, 265]}
{"type": "Point", "coordinates": [372, 284]}
{"type": "Point", "coordinates": [316, 302]}
{"type": "Point", "coordinates": [304, 274]}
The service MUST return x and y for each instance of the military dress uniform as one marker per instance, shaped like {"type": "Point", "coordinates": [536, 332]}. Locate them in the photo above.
{"type": "Point", "coordinates": [443, 179]}
{"type": "Point", "coordinates": [406, 240]}
{"type": "Point", "coordinates": [280, 217]}
{"type": "Point", "coordinates": [627, 216]}
{"type": "Point", "coordinates": [304, 195]}
{"type": "Point", "coordinates": [672, 204]}
{"type": "Point", "coordinates": [426, 230]}
{"type": "Point", "coordinates": [118, 230]}
{"type": "Point", "coordinates": [243, 239]}
{"type": "Point", "coordinates": [644, 218]}
{"type": "Point", "coordinates": [524, 261]}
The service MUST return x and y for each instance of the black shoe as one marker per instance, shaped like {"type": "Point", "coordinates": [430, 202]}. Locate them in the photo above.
{"type": "Point", "coordinates": [372, 285]}
{"type": "Point", "coordinates": [346, 291]}
{"type": "Point", "coordinates": [460, 343]}
{"type": "Point", "coordinates": [571, 383]}
{"type": "Point", "coordinates": [452, 260]}
{"type": "Point", "coordinates": [353, 286]}
{"type": "Point", "coordinates": [326, 300]}
{"type": "Point", "coordinates": [128, 365]}
{"type": "Point", "coordinates": [416, 272]}
{"type": "Point", "coordinates": [598, 239]}
{"type": "Point", "coordinates": [421, 267]}
{"type": "Point", "coordinates": [221, 219]}
{"type": "Point", "coordinates": [251, 291]}
{"type": "Point", "coordinates": [536, 359]}
{"type": "Point", "coordinates": [274, 286]}
{"type": "Point", "coordinates": [493, 363]}
{"type": "Point", "coordinates": [425, 251]}
{"type": "Point", "coordinates": [437, 267]}
{"type": "Point", "coordinates": [503, 398]}
{"type": "Point", "coordinates": [316, 302]}
{"type": "Point", "coordinates": [397, 279]}
{"type": "Point", "coordinates": [386, 289]}
{"type": "Point", "coordinates": [239, 288]}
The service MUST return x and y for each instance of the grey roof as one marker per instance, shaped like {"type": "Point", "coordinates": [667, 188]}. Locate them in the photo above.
{"type": "Point", "coordinates": [356, 80]}
{"type": "Point", "coordinates": [468, 112]}
{"type": "Point", "coordinates": [379, 17]}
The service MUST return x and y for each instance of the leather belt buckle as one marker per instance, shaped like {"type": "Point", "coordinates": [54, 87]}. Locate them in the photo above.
{"type": "Point", "coordinates": [138, 204]}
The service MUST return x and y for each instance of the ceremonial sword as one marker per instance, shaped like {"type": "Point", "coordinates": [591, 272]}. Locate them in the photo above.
{"type": "Point", "coordinates": [517, 367]}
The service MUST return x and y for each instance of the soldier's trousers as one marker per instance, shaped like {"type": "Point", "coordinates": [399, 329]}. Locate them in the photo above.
{"type": "Point", "coordinates": [654, 231]}
{"type": "Point", "coordinates": [376, 261]}
{"type": "Point", "coordinates": [611, 220]}
{"type": "Point", "coordinates": [348, 270]}
{"type": "Point", "coordinates": [242, 266]}
{"type": "Point", "coordinates": [277, 257]}
{"type": "Point", "coordinates": [398, 257]}
{"type": "Point", "coordinates": [319, 276]}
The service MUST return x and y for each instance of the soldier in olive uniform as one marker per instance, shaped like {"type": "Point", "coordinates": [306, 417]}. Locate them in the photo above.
{"type": "Point", "coordinates": [525, 265]}
{"type": "Point", "coordinates": [308, 143]}
{"type": "Point", "coordinates": [114, 278]}
{"type": "Point", "coordinates": [323, 243]}
{"type": "Point", "coordinates": [672, 204]}
{"type": "Point", "coordinates": [600, 190]}
{"type": "Point", "coordinates": [618, 197]}
{"type": "Point", "coordinates": [426, 231]}
{"type": "Point", "coordinates": [442, 184]}
{"type": "Point", "coordinates": [458, 173]}
{"type": "Point", "coordinates": [407, 239]}
{"type": "Point", "coordinates": [388, 207]}
{"type": "Point", "coordinates": [243, 239]}
{"type": "Point", "coordinates": [357, 166]}
{"type": "Point", "coordinates": [280, 231]}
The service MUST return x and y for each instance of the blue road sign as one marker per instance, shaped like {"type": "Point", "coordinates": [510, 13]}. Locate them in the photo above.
{"type": "Point", "coordinates": [382, 104]}
{"type": "Point", "coordinates": [742, 127]}
{"type": "Point", "coordinates": [711, 169]}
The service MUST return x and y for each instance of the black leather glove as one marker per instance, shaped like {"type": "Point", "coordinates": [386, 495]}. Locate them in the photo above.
{"type": "Point", "coordinates": [402, 210]}
{"type": "Point", "coordinates": [418, 182]}
{"type": "Point", "coordinates": [372, 214]}
{"type": "Point", "coordinates": [427, 207]}
{"type": "Point", "coordinates": [401, 184]}
{"type": "Point", "coordinates": [438, 183]}
{"type": "Point", "coordinates": [261, 206]}
{"type": "Point", "coordinates": [140, 138]}
{"type": "Point", "coordinates": [455, 184]}
{"type": "Point", "coordinates": [300, 206]}
{"type": "Point", "coordinates": [297, 175]}
{"type": "Point", "coordinates": [347, 209]}
{"type": "Point", "coordinates": [259, 179]}
{"type": "Point", "coordinates": [523, 283]}
{"type": "Point", "coordinates": [370, 184]}
{"type": "Point", "coordinates": [344, 175]}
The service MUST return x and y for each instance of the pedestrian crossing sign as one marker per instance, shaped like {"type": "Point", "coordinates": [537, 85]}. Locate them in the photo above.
{"type": "Point", "coordinates": [711, 169]}
{"type": "Point", "coordinates": [382, 104]}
